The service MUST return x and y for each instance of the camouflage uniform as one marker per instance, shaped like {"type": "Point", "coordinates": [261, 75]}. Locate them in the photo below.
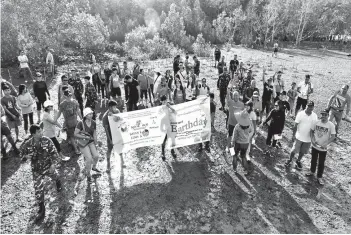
{"type": "Point", "coordinates": [43, 157]}
{"type": "Point", "coordinates": [91, 96]}
{"type": "Point", "coordinates": [78, 88]}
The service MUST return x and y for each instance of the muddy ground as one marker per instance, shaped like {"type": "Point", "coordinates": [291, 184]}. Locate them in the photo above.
{"type": "Point", "coordinates": [199, 192]}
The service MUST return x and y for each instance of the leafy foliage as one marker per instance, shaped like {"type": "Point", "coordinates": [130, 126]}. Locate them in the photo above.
{"type": "Point", "coordinates": [201, 48]}
{"type": "Point", "coordinates": [99, 24]}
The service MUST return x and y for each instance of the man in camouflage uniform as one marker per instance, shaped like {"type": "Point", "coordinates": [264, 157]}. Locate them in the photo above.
{"type": "Point", "coordinates": [78, 88]}
{"type": "Point", "coordinates": [90, 95]}
{"type": "Point", "coordinates": [44, 159]}
{"type": "Point", "coordinates": [222, 85]}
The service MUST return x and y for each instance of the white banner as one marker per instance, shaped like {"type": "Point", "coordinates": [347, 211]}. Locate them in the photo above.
{"type": "Point", "coordinates": [139, 128]}
{"type": "Point", "coordinates": [191, 124]}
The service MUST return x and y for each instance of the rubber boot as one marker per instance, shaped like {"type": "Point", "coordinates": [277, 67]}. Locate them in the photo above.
{"type": "Point", "coordinates": [41, 213]}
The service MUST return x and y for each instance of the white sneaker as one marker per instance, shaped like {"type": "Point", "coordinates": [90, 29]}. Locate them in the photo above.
{"type": "Point", "coordinates": [227, 150]}
{"type": "Point", "coordinates": [65, 158]}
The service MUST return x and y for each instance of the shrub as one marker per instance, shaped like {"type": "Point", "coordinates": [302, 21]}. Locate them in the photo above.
{"type": "Point", "coordinates": [201, 48]}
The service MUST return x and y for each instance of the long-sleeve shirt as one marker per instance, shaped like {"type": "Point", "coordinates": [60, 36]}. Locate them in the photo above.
{"type": "Point", "coordinates": [49, 58]}
{"type": "Point", "coordinates": [242, 136]}
{"type": "Point", "coordinates": [25, 102]}
{"type": "Point", "coordinates": [223, 81]}
{"type": "Point", "coordinates": [78, 87]}
{"type": "Point", "coordinates": [90, 93]}
{"type": "Point", "coordinates": [40, 89]}
{"type": "Point", "coordinates": [23, 59]}
{"type": "Point", "coordinates": [44, 154]}
{"type": "Point", "coordinates": [197, 67]}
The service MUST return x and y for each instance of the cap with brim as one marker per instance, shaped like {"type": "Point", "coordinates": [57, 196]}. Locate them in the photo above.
{"type": "Point", "coordinates": [87, 111]}
{"type": "Point", "coordinates": [243, 118]}
{"type": "Point", "coordinates": [325, 111]}
{"type": "Point", "coordinates": [38, 74]}
{"type": "Point", "coordinates": [255, 94]}
{"type": "Point", "coordinates": [310, 103]}
{"type": "Point", "coordinates": [48, 103]}
{"type": "Point", "coordinates": [279, 71]}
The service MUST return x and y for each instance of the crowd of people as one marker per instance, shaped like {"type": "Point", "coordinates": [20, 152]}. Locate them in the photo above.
{"type": "Point", "coordinates": [245, 107]}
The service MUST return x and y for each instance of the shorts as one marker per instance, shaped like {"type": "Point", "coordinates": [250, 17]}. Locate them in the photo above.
{"type": "Point", "coordinates": [301, 103]}
{"type": "Point", "coordinates": [301, 147]}
{"type": "Point", "coordinates": [241, 149]}
{"type": "Point", "coordinates": [116, 91]}
{"type": "Point", "coordinates": [217, 57]}
{"type": "Point", "coordinates": [13, 124]}
{"type": "Point", "coordinates": [5, 130]}
{"type": "Point", "coordinates": [40, 104]}
{"type": "Point", "coordinates": [230, 130]}
{"type": "Point", "coordinates": [142, 93]}
{"type": "Point", "coordinates": [275, 49]}
{"type": "Point", "coordinates": [335, 114]}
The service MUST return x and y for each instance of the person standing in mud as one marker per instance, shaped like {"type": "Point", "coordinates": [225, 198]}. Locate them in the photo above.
{"type": "Point", "coordinates": [301, 134]}
{"type": "Point", "coordinates": [222, 85]}
{"type": "Point", "coordinates": [78, 88]}
{"type": "Point", "coordinates": [167, 106]}
{"type": "Point", "coordinates": [44, 161]}
{"type": "Point", "coordinates": [90, 96]}
{"type": "Point", "coordinates": [322, 134]}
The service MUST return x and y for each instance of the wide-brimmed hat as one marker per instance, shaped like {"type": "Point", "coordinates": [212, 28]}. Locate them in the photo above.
{"type": "Point", "coordinates": [87, 111]}
{"type": "Point", "coordinates": [243, 118]}
{"type": "Point", "coordinates": [48, 103]}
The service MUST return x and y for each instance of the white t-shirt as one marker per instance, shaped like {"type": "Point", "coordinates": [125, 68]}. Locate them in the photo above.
{"type": "Point", "coordinates": [48, 129]}
{"type": "Point", "coordinates": [23, 59]}
{"type": "Point", "coordinates": [304, 89]}
{"type": "Point", "coordinates": [49, 58]}
{"type": "Point", "coordinates": [322, 133]}
{"type": "Point", "coordinates": [305, 123]}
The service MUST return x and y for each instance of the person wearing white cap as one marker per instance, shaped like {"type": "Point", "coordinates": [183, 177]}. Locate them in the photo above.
{"type": "Point", "coordinates": [241, 137]}
{"type": "Point", "coordinates": [49, 127]}
{"type": "Point", "coordinates": [85, 133]}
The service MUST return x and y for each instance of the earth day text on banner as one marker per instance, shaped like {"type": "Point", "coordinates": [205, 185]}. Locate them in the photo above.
{"type": "Point", "coordinates": [139, 128]}
{"type": "Point", "coordinates": [191, 124]}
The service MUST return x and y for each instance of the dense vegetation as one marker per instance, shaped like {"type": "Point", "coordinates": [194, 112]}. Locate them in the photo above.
{"type": "Point", "coordinates": [160, 28]}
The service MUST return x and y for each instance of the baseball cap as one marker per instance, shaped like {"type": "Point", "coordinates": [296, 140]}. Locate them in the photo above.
{"type": "Point", "coordinates": [38, 74]}
{"type": "Point", "coordinates": [48, 103]}
{"type": "Point", "coordinates": [310, 103]}
{"type": "Point", "coordinates": [255, 93]}
{"type": "Point", "coordinates": [325, 111]}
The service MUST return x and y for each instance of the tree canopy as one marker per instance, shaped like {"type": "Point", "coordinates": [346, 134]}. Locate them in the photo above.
{"type": "Point", "coordinates": [96, 24]}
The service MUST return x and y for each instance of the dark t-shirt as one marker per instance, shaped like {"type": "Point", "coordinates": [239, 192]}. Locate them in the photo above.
{"type": "Point", "coordinates": [277, 120]}
{"type": "Point", "coordinates": [87, 129]}
{"type": "Point", "coordinates": [107, 73]}
{"type": "Point", "coordinates": [10, 104]}
{"type": "Point", "coordinates": [233, 65]}
{"type": "Point", "coordinates": [220, 67]}
{"type": "Point", "coordinates": [39, 89]}
{"type": "Point", "coordinates": [267, 94]}
{"type": "Point", "coordinates": [132, 90]}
